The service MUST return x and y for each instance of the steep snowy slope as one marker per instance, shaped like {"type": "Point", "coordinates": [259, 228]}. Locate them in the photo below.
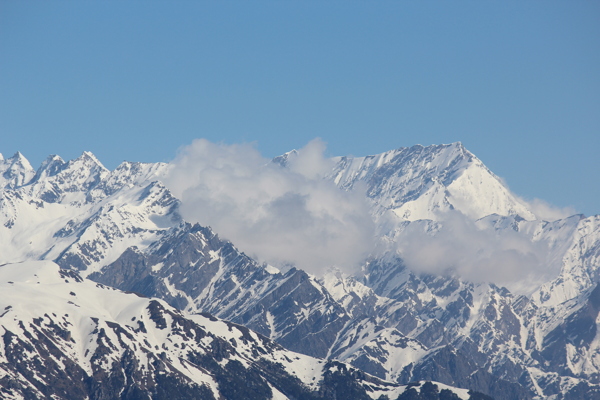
{"type": "Point", "coordinates": [15, 171]}
{"type": "Point", "coordinates": [193, 269]}
{"type": "Point", "coordinates": [580, 265]}
{"type": "Point", "coordinates": [420, 182]}
{"type": "Point", "coordinates": [64, 337]}
{"type": "Point", "coordinates": [424, 326]}
{"type": "Point", "coordinates": [79, 213]}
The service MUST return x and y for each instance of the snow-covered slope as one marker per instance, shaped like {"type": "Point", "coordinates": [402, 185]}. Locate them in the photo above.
{"type": "Point", "coordinates": [420, 182]}
{"type": "Point", "coordinates": [412, 190]}
{"type": "Point", "coordinates": [64, 337]}
{"type": "Point", "coordinates": [78, 213]}
{"type": "Point", "coordinates": [580, 270]}
{"type": "Point", "coordinates": [15, 171]}
{"type": "Point", "coordinates": [122, 228]}
{"type": "Point", "coordinates": [195, 270]}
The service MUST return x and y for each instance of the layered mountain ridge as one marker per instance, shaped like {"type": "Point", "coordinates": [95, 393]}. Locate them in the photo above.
{"type": "Point", "coordinates": [122, 228]}
{"type": "Point", "coordinates": [65, 337]}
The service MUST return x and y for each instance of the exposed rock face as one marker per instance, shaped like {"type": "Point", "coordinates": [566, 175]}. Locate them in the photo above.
{"type": "Point", "coordinates": [64, 337]}
{"type": "Point", "coordinates": [195, 270]}
{"type": "Point", "coordinates": [122, 228]}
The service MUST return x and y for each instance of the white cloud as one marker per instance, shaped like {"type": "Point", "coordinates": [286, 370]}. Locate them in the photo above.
{"type": "Point", "coordinates": [457, 246]}
{"type": "Point", "coordinates": [276, 214]}
{"type": "Point", "coordinates": [548, 212]}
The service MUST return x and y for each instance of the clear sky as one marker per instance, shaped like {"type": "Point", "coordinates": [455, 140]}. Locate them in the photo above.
{"type": "Point", "coordinates": [517, 82]}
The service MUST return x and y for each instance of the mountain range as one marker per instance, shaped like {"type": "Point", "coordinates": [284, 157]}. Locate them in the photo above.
{"type": "Point", "coordinates": [468, 287]}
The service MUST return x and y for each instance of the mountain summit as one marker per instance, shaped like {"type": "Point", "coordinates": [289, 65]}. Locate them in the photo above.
{"type": "Point", "coordinates": [393, 320]}
{"type": "Point", "coordinates": [422, 182]}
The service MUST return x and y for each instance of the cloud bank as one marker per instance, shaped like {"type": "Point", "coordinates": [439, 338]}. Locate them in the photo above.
{"type": "Point", "coordinates": [458, 246]}
{"type": "Point", "coordinates": [276, 214]}
{"type": "Point", "coordinates": [292, 216]}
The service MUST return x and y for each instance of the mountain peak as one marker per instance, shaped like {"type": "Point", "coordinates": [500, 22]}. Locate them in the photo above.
{"type": "Point", "coordinates": [88, 157]}
{"type": "Point", "coordinates": [53, 157]}
{"type": "Point", "coordinates": [51, 166]}
{"type": "Point", "coordinates": [15, 171]}
{"type": "Point", "coordinates": [457, 144]}
{"type": "Point", "coordinates": [420, 182]}
{"type": "Point", "coordinates": [19, 159]}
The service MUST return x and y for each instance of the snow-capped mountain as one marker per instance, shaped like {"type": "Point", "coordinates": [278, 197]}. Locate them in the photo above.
{"type": "Point", "coordinates": [15, 171]}
{"type": "Point", "coordinates": [195, 270]}
{"type": "Point", "coordinates": [421, 182]}
{"type": "Point", "coordinates": [65, 337]}
{"type": "Point", "coordinates": [79, 213]}
{"type": "Point", "coordinates": [122, 228]}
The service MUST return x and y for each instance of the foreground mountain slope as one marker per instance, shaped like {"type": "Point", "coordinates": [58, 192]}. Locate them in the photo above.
{"type": "Point", "coordinates": [64, 337]}
{"type": "Point", "coordinates": [194, 270]}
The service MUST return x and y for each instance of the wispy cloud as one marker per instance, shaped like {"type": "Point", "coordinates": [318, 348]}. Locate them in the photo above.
{"type": "Point", "coordinates": [278, 215]}
{"type": "Point", "coordinates": [458, 246]}
{"type": "Point", "coordinates": [547, 211]}
{"type": "Point", "coordinates": [542, 209]}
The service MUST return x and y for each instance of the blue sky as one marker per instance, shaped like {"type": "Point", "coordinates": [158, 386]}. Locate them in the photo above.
{"type": "Point", "coordinates": [517, 82]}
